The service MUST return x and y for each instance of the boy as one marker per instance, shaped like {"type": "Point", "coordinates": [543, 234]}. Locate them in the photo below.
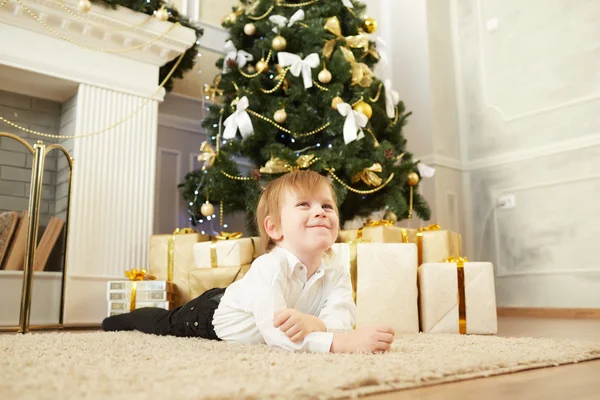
{"type": "Point", "coordinates": [291, 297]}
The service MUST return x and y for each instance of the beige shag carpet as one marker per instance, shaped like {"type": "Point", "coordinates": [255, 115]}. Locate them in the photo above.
{"type": "Point", "coordinates": [132, 365]}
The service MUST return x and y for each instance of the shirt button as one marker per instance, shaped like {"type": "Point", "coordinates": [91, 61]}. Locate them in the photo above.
{"type": "Point", "coordinates": [191, 308]}
{"type": "Point", "coordinates": [196, 323]}
{"type": "Point", "coordinates": [187, 323]}
{"type": "Point", "coordinates": [301, 268]}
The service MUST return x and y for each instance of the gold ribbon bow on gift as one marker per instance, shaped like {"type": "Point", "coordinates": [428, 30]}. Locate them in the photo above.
{"type": "Point", "coordinates": [333, 25]}
{"type": "Point", "coordinates": [361, 73]}
{"type": "Point", "coordinates": [432, 227]}
{"type": "Point", "coordinates": [368, 175]}
{"type": "Point", "coordinates": [222, 236]}
{"type": "Point", "coordinates": [462, 304]}
{"type": "Point", "coordinates": [278, 166]}
{"type": "Point", "coordinates": [137, 275]}
{"type": "Point", "coordinates": [207, 155]}
{"type": "Point", "coordinates": [213, 91]}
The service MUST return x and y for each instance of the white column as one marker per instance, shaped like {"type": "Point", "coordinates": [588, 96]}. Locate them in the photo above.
{"type": "Point", "coordinates": [112, 200]}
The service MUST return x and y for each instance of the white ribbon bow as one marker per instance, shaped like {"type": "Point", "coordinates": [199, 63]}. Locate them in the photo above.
{"type": "Point", "coordinates": [391, 99]}
{"type": "Point", "coordinates": [354, 123]}
{"type": "Point", "coordinates": [299, 65]}
{"type": "Point", "coordinates": [425, 170]}
{"type": "Point", "coordinates": [347, 3]}
{"type": "Point", "coordinates": [241, 57]}
{"type": "Point", "coordinates": [239, 120]}
{"type": "Point", "coordinates": [280, 21]}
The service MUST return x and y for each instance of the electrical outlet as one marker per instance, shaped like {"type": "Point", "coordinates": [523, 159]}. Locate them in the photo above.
{"type": "Point", "coordinates": [507, 201]}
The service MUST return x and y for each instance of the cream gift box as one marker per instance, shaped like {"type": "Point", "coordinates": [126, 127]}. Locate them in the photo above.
{"type": "Point", "coordinates": [386, 283]}
{"type": "Point", "coordinates": [203, 279]}
{"type": "Point", "coordinates": [440, 303]}
{"type": "Point", "coordinates": [380, 233]}
{"type": "Point", "coordinates": [437, 245]}
{"type": "Point", "coordinates": [224, 253]}
{"type": "Point", "coordinates": [171, 259]}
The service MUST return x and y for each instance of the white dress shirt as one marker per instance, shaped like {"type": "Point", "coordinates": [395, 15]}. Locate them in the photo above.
{"type": "Point", "coordinates": [278, 280]}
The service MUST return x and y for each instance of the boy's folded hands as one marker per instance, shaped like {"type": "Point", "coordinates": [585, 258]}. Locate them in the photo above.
{"type": "Point", "coordinates": [296, 325]}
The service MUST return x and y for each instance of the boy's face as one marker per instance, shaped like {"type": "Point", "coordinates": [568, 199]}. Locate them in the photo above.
{"type": "Point", "coordinates": [309, 221]}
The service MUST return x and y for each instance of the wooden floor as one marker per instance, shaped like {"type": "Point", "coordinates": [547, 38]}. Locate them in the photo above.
{"type": "Point", "coordinates": [570, 382]}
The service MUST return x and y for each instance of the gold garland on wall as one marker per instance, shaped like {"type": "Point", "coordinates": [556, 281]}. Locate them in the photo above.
{"type": "Point", "coordinates": [108, 28]}
{"type": "Point", "coordinates": [148, 100]}
{"type": "Point", "coordinates": [85, 46]}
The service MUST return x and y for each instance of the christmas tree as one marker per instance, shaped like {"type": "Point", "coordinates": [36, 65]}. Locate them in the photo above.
{"type": "Point", "coordinates": [297, 91]}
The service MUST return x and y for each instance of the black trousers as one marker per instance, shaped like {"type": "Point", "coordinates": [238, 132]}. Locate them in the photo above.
{"type": "Point", "coordinates": [193, 319]}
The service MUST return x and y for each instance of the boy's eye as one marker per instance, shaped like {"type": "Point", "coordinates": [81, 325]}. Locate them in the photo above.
{"type": "Point", "coordinates": [328, 206]}
{"type": "Point", "coordinates": [302, 204]}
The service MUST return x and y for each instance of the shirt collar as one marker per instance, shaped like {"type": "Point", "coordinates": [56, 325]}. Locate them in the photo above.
{"type": "Point", "coordinates": [294, 261]}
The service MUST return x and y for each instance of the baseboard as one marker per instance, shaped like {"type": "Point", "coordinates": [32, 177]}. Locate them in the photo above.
{"type": "Point", "coordinates": [565, 313]}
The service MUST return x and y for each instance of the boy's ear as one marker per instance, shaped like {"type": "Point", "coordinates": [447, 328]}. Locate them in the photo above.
{"type": "Point", "coordinates": [272, 229]}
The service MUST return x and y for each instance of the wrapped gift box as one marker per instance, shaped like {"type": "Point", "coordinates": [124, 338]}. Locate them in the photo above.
{"type": "Point", "coordinates": [385, 281]}
{"type": "Point", "coordinates": [182, 261]}
{"type": "Point", "coordinates": [380, 234]}
{"type": "Point", "coordinates": [258, 250]}
{"type": "Point", "coordinates": [140, 296]}
{"type": "Point", "coordinates": [438, 245]}
{"type": "Point", "coordinates": [439, 298]}
{"type": "Point", "coordinates": [224, 253]}
{"type": "Point", "coordinates": [203, 279]}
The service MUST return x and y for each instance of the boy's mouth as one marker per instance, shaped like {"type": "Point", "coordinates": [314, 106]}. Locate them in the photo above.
{"type": "Point", "coordinates": [318, 226]}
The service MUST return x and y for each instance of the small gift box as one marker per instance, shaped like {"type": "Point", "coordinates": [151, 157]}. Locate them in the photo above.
{"type": "Point", "coordinates": [203, 279]}
{"type": "Point", "coordinates": [436, 244]}
{"type": "Point", "coordinates": [381, 231]}
{"type": "Point", "coordinates": [457, 297]}
{"type": "Point", "coordinates": [384, 281]}
{"type": "Point", "coordinates": [141, 290]}
{"type": "Point", "coordinates": [225, 250]}
{"type": "Point", "coordinates": [172, 257]}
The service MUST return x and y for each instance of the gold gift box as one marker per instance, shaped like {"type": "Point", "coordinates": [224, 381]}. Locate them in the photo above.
{"type": "Point", "coordinates": [436, 245]}
{"type": "Point", "coordinates": [380, 234]}
{"type": "Point", "coordinates": [203, 279]}
{"type": "Point", "coordinates": [224, 253]}
{"type": "Point", "coordinates": [182, 261]}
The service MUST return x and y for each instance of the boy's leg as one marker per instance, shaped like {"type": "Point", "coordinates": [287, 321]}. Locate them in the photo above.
{"type": "Point", "coordinates": [147, 320]}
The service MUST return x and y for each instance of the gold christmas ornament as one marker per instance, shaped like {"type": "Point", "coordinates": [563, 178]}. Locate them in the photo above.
{"type": "Point", "coordinates": [412, 179]}
{"type": "Point", "coordinates": [262, 66]}
{"type": "Point", "coordinates": [250, 29]}
{"type": "Point", "coordinates": [324, 76]}
{"type": "Point", "coordinates": [280, 116]}
{"type": "Point", "coordinates": [250, 69]}
{"type": "Point", "coordinates": [390, 216]}
{"type": "Point", "coordinates": [364, 108]}
{"type": "Point", "coordinates": [84, 6]}
{"type": "Point", "coordinates": [207, 209]}
{"type": "Point", "coordinates": [279, 43]}
{"type": "Point", "coordinates": [370, 25]}
{"type": "Point", "coordinates": [162, 14]}
{"type": "Point", "coordinates": [337, 100]}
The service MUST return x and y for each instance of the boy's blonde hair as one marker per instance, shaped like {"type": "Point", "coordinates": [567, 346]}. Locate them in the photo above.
{"type": "Point", "coordinates": [271, 200]}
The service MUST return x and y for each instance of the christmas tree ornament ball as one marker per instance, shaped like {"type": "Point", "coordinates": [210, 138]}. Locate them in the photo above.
{"type": "Point", "coordinates": [250, 29]}
{"type": "Point", "coordinates": [336, 101]}
{"type": "Point", "coordinates": [84, 6]}
{"type": "Point", "coordinates": [364, 108]}
{"type": "Point", "coordinates": [262, 66]}
{"type": "Point", "coordinates": [412, 179]}
{"type": "Point", "coordinates": [279, 43]}
{"type": "Point", "coordinates": [390, 216]}
{"type": "Point", "coordinates": [324, 76]}
{"type": "Point", "coordinates": [162, 14]}
{"type": "Point", "coordinates": [207, 209]}
{"type": "Point", "coordinates": [370, 25]}
{"type": "Point", "coordinates": [280, 116]}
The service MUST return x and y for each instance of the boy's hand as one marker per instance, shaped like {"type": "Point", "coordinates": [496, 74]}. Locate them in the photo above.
{"type": "Point", "coordinates": [297, 325]}
{"type": "Point", "coordinates": [369, 339]}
